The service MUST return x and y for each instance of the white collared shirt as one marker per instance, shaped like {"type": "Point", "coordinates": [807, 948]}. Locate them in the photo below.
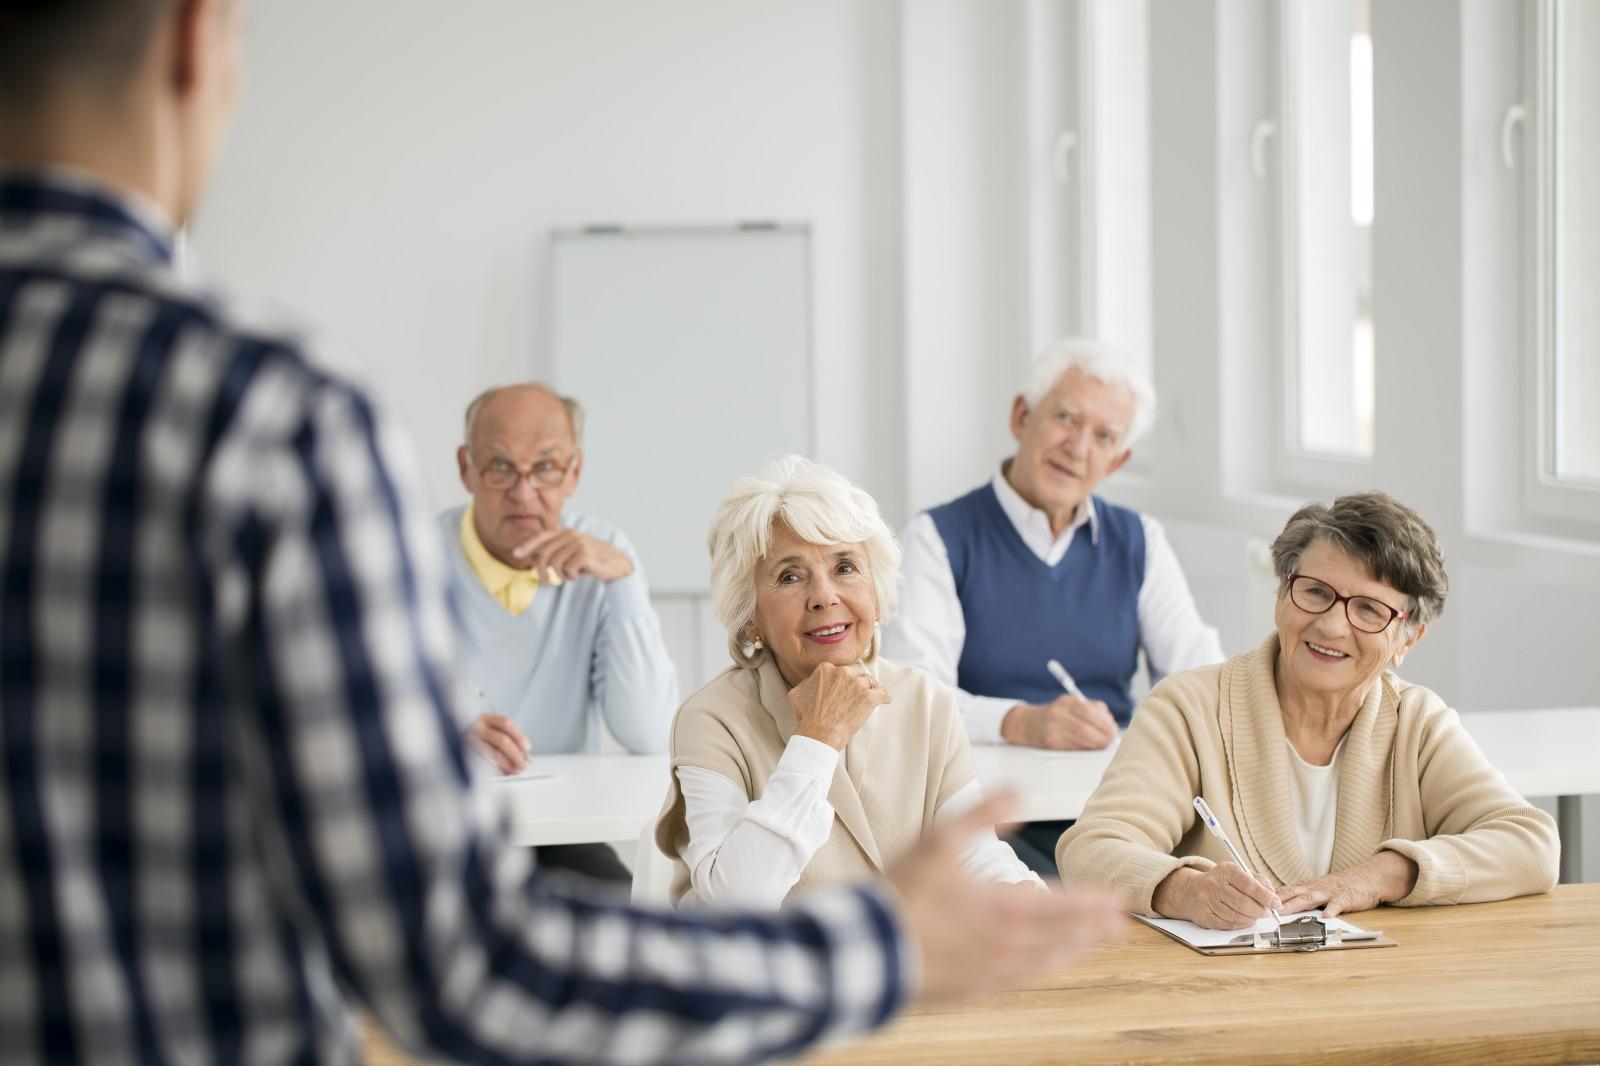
{"type": "Point", "coordinates": [750, 853]}
{"type": "Point", "coordinates": [930, 628]}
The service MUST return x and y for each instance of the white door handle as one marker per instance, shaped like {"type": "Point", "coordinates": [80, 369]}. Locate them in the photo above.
{"type": "Point", "coordinates": [1258, 146]}
{"type": "Point", "coordinates": [1060, 152]}
{"type": "Point", "coordinates": [1516, 115]}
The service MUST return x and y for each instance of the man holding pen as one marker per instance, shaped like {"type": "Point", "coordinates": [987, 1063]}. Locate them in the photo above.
{"type": "Point", "coordinates": [1033, 567]}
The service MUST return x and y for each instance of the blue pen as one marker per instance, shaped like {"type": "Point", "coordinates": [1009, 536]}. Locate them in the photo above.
{"type": "Point", "coordinates": [1204, 810]}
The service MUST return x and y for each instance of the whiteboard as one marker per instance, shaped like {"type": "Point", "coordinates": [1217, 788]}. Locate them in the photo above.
{"type": "Point", "coordinates": [690, 350]}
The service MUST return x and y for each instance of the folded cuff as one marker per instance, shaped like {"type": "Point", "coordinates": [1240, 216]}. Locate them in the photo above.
{"type": "Point", "coordinates": [1441, 877]}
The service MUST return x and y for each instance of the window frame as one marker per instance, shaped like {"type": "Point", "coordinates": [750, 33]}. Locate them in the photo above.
{"type": "Point", "coordinates": [1545, 499]}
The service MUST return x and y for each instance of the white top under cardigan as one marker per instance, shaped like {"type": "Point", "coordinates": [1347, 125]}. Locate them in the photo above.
{"type": "Point", "coordinates": [751, 852]}
{"type": "Point", "coordinates": [1314, 792]}
{"type": "Point", "coordinates": [930, 628]}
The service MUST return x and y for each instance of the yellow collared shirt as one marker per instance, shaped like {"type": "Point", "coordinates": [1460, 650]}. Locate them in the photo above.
{"type": "Point", "coordinates": [513, 589]}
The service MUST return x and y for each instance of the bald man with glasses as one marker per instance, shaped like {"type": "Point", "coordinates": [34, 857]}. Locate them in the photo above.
{"type": "Point", "coordinates": [557, 631]}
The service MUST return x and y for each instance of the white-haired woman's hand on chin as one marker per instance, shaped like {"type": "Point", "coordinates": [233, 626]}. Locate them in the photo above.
{"type": "Point", "coordinates": [1385, 878]}
{"type": "Point", "coordinates": [834, 702]}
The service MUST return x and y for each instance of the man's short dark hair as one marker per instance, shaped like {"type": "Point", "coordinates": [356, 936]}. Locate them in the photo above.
{"type": "Point", "coordinates": [47, 44]}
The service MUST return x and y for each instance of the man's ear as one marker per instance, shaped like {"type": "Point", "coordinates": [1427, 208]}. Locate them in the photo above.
{"type": "Point", "coordinates": [1119, 462]}
{"type": "Point", "coordinates": [577, 469]}
{"type": "Point", "coordinates": [1019, 415]}
{"type": "Point", "coordinates": [189, 44]}
{"type": "Point", "coordinates": [461, 466]}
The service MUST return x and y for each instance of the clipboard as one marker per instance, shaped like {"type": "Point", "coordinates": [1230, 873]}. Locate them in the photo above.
{"type": "Point", "coordinates": [1298, 934]}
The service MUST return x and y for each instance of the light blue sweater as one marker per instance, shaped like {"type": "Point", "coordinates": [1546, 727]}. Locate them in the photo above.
{"type": "Point", "coordinates": [585, 651]}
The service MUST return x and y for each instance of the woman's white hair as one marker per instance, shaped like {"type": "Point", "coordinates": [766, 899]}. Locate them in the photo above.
{"type": "Point", "coordinates": [822, 507]}
{"type": "Point", "coordinates": [1100, 361]}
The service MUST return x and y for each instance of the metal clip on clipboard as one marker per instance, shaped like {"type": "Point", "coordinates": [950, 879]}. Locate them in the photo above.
{"type": "Point", "coordinates": [1305, 933]}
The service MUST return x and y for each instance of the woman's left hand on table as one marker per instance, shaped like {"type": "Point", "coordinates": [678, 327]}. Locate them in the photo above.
{"type": "Point", "coordinates": [1386, 877]}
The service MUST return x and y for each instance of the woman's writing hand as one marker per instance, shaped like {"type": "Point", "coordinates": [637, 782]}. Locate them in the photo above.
{"type": "Point", "coordinates": [1224, 897]}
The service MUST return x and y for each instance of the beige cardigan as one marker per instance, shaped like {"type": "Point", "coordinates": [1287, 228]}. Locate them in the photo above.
{"type": "Point", "coordinates": [907, 759]}
{"type": "Point", "coordinates": [1412, 781]}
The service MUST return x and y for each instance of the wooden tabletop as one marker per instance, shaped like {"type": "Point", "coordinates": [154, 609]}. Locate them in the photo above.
{"type": "Point", "coordinates": [1495, 983]}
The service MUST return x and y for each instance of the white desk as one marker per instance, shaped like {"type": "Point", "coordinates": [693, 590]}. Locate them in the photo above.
{"type": "Point", "coordinates": [587, 799]}
{"type": "Point", "coordinates": [595, 798]}
{"type": "Point", "coordinates": [1551, 752]}
{"type": "Point", "coordinates": [599, 798]}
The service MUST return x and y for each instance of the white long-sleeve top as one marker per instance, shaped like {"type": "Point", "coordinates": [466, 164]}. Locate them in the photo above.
{"type": "Point", "coordinates": [752, 852]}
{"type": "Point", "coordinates": [930, 628]}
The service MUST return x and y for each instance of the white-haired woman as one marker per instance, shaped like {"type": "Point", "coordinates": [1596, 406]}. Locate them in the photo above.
{"type": "Point", "coordinates": [812, 760]}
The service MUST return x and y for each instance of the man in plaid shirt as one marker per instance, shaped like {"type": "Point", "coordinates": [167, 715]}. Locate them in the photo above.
{"type": "Point", "coordinates": [232, 795]}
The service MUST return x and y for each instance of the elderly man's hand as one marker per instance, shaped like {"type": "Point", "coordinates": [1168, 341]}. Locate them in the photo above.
{"type": "Point", "coordinates": [571, 555]}
{"type": "Point", "coordinates": [1386, 877]}
{"type": "Point", "coordinates": [834, 702]}
{"type": "Point", "coordinates": [974, 938]}
{"type": "Point", "coordinates": [1224, 897]}
{"type": "Point", "coordinates": [1067, 723]}
{"type": "Point", "coordinates": [499, 740]}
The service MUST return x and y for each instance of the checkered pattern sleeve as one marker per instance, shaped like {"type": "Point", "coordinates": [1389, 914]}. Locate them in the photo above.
{"type": "Point", "coordinates": [387, 854]}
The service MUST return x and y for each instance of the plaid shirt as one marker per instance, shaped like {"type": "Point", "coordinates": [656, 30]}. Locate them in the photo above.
{"type": "Point", "coordinates": [232, 792]}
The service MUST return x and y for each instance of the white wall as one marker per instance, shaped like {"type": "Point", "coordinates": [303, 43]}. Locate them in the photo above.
{"type": "Point", "coordinates": [396, 165]}
{"type": "Point", "coordinates": [1520, 619]}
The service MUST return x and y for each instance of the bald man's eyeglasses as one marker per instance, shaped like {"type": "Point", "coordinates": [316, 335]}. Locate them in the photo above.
{"type": "Point", "coordinates": [502, 475]}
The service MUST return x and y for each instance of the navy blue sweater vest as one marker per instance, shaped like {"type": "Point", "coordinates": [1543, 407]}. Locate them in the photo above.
{"type": "Point", "coordinates": [1020, 612]}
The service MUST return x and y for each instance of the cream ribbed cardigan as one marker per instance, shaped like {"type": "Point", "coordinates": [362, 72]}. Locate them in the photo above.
{"type": "Point", "coordinates": [1412, 781]}
{"type": "Point", "coordinates": [902, 764]}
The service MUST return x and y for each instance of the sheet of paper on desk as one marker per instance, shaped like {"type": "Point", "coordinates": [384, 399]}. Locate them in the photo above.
{"type": "Point", "coordinates": [1056, 753]}
{"type": "Point", "coordinates": [526, 775]}
{"type": "Point", "coordinates": [1199, 937]}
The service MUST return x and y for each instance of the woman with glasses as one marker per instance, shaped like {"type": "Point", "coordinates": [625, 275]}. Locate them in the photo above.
{"type": "Point", "coordinates": [1342, 785]}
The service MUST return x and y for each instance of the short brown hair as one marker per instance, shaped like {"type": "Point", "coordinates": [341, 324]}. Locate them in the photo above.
{"type": "Point", "coordinates": [1394, 542]}
{"type": "Point", "coordinates": [46, 43]}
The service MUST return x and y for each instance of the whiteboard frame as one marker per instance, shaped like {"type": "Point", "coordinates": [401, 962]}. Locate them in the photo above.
{"type": "Point", "coordinates": [620, 231]}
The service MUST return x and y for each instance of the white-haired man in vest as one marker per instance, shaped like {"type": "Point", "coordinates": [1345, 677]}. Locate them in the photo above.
{"type": "Point", "coordinates": [1032, 567]}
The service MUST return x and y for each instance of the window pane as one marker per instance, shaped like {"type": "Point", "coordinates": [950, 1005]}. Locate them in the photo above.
{"type": "Point", "coordinates": [1575, 221]}
{"type": "Point", "coordinates": [1328, 113]}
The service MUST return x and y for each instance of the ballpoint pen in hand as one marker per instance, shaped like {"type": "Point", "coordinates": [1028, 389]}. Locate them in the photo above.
{"type": "Point", "coordinates": [1059, 672]}
{"type": "Point", "coordinates": [1204, 810]}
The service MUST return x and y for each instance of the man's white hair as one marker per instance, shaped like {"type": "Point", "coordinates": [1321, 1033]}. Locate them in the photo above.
{"type": "Point", "coordinates": [1101, 361]}
{"type": "Point", "coordinates": [822, 507]}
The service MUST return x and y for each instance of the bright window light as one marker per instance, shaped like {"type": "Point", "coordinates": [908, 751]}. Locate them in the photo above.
{"type": "Point", "coordinates": [1361, 129]}
{"type": "Point", "coordinates": [1572, 221]}
{"type": "Point", "coordinates": [1328, 109]}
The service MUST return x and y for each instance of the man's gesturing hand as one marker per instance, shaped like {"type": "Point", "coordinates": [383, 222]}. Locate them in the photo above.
{"type": "Point", "coordinates": [973, 938]}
